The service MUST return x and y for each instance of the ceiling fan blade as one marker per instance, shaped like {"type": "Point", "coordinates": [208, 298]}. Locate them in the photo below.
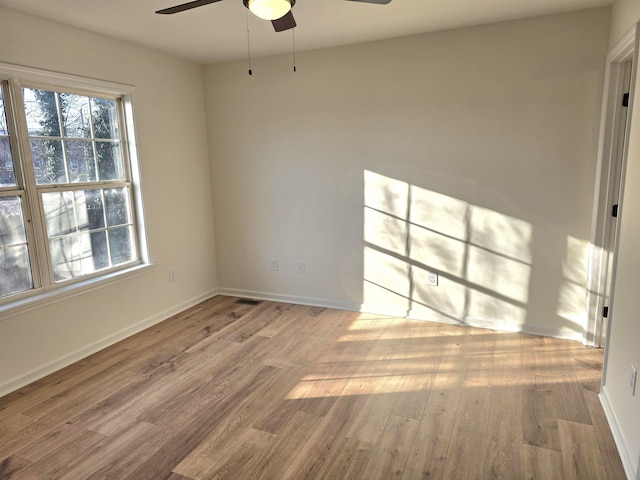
{"type": "Point", "coordinates": [379, 2]}
{"type": "Point", "coordinates": [286, 22]}
{"type": "Point", "coordinates": [185, 6]}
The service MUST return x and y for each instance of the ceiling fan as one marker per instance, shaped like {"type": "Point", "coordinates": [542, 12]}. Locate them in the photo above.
{"type": "Point", "coordinates": [278, 11]}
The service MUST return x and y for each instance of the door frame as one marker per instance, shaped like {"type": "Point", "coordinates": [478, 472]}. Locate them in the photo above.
{"type": "Point", "coordinates": [609, 187]}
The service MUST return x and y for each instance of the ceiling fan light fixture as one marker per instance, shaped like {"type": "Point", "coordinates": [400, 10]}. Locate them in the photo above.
{"type": "Point", "coordinates": [269, 9]}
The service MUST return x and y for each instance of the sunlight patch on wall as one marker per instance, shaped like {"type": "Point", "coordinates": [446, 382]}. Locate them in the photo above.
{"type": "Point", "coordinates": [572, 298]}
{"type": "Point", "coordinates": [482, 257]}
{"type": "Point", "coordinates": [446, 302]}
{"type": "Point", "coordinates": [386, 283]}
{"type": "Point", "coordinates": [501, 274]}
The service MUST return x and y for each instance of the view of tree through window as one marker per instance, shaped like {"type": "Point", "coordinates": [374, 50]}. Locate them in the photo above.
{"type": "Point", "coordinates": [78, 169]}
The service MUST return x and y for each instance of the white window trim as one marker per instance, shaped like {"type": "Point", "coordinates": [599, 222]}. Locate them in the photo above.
{"type": "Point", "coordinates": [50, 294]}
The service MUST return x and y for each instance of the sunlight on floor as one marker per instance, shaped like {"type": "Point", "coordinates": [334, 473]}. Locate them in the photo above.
{"type": "Point", "coordinates": [390, 355]}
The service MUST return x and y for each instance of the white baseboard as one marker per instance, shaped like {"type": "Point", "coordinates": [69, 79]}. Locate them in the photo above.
{"type": "Point", "coordinates": [377, 309]}
{"type": "Point", "coordinates": [630, 468]}
{"type": "Point", "coordinates": [296, 299]}
{"type": "Point", "coordinates": [66, 360]}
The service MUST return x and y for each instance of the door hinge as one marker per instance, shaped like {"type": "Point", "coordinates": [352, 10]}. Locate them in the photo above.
{"type": "Point", "coordinates": [614, 210]}
{"type": "Point", "coordinates": [625, 100]}
{"type": "Point", "coordinates": [605, 312]}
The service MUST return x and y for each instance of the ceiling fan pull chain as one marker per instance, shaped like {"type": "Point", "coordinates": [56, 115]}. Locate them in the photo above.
{"type": "Point", "coordinates": [293, 33]}
{"type": "Point", "coordinates": [248, 43]}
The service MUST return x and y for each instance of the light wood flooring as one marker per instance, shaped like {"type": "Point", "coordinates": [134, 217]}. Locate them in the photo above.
{"type": "Point", "coordinates": [227, 390]}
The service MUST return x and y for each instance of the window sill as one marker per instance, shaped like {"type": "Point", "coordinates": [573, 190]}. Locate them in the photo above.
{"type": "Point", "coordinates": [56, 295]}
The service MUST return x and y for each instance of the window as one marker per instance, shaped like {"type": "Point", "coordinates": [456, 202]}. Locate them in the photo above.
{"type": "Point", "coordinates": [68, 189]}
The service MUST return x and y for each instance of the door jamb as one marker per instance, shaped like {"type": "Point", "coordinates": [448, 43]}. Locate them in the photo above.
{"type": "Point", "coordinates": [626, 50]}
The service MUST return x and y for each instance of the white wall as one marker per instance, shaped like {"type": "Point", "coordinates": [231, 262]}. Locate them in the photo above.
{"type": "Point", "coordinates": [172, 146]}
{"type": "Point", "coordinates": [487, 136]}
{"type": "Point", "coordinates": [623, 348]}
{"type": "Point", "coordinates": [624, 15]}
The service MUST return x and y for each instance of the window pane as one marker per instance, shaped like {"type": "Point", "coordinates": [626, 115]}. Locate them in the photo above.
{"type": "Point", "coordinates": [105, 118]}
{"type": "Point", "coordinates": [110, 165]}
{"type": "Point", "coordinates": [65, 258]}
{"type": "Point", "coordinates": [117, 200]}
{"type": "Point", "coordinates": [48, 161]}
{"type": "Point", "coordinates": [75, 115]}
{"type": "Point", "coordinates": [81, 164]}
{"type": "Point", "coordinates": [89, 209]}
{"type": "Point", "coordinates": [41, 109]}
{"type": "Point", "coordinates": [12, 230]}
{"type": "Point", "coordinates": [81, 234]}
{"type": "Point", "coordinates": [3, 118]}
{"type": "Point", "coordinates": [58, 212]}
{"type": "Point", "coordinates": [121, 242]}
{"type": "Point", "coordinates": [95, 251]}
{"type": "Point", "coordinates": [7, 176]}
{"type": "Point", "coordinates": [15, 268]}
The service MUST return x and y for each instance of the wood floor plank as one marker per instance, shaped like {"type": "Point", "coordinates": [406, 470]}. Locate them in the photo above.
{"type": "Point", "coordinates": [10, 467]}
{"type": "Point", "coordinates": [120, 452]}
{"type": "Point", "coordinates": [449, 378]}
{"type": "Point", "coordinates": [282, 317]}
{"type": "Point", "coordinates": [239, 456]}
{"type": "Point", "coordinates": [580, 452]}
{"type": "Point", "coordinates": [276, 416]}
{"type": "Point", "coordinates": [422, 360]}
{"type": "Point", "coordinates": [175, 476]}
{"type": "Point", "coordinates": [15, 423]}
{"type": "Point", "coordinates": [60, 461]}
{"type": "Point", "coordinates": [505, 425]}
{"type": "Point", "coordinates": [469, 436]}
{"type": "Point", "coordinates": [323, 443]}
{"type": "Point", "coordinates": [284, 449]}
{"type": "Point", "coordinates": [236, 425]}
{"type": "Point", "coordinates": [86, 393]}
{"type": "Point", "coordinates": [541, 410]}
{"type": "Point", "coordinates": [606, 443]}
{"type": "Point", "coordinates": [270, 391]}
{"type": "Point", "coordinates": [217, 310]}
{"type": "Point", "coordinates": [480, 356]}
{"type": "Point", "coordinates": [349, 460]}
{"type": "Point", "coordinates": [429, 451]}
{"type": "Point", "coordinates": [15, 442]}
{"type": "Point", "coordinates": [196, 427]}
{"type": "Point", "coordinates": [60, 381]}
{"type": "Point", "coordinates": [372, 418]}
{"type": "Point", "coordinates": [43, 446]}
{"type": "Point", "coordinates": [504, 435]}
{"type": "Point", "coordinates": [389, 456]}
{"type": "Point", "coordinates": [543, 464]}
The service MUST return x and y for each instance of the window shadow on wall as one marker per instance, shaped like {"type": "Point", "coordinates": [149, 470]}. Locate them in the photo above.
{"type": "Point", "coordinates": [482, 258]}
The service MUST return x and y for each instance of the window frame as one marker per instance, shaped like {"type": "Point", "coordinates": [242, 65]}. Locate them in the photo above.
{"type": "Point", "coordinates": [45, 289]}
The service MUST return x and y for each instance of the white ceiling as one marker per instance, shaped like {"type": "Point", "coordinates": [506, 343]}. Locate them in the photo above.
{"type": "Point", "coordinates": [218, 32]}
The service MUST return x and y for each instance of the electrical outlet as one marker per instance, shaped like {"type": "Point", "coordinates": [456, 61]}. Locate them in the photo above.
{"type": "Point", "coordinates": [301, 267]}
{"type": "Point", "coordinates": [273, 264]}
{"type": "Point", "coordinates": [433, 279]}
{"type": "Point", "coordinates": [632, 379]}
{"type": "Point", "coordinates": [172, 275]}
